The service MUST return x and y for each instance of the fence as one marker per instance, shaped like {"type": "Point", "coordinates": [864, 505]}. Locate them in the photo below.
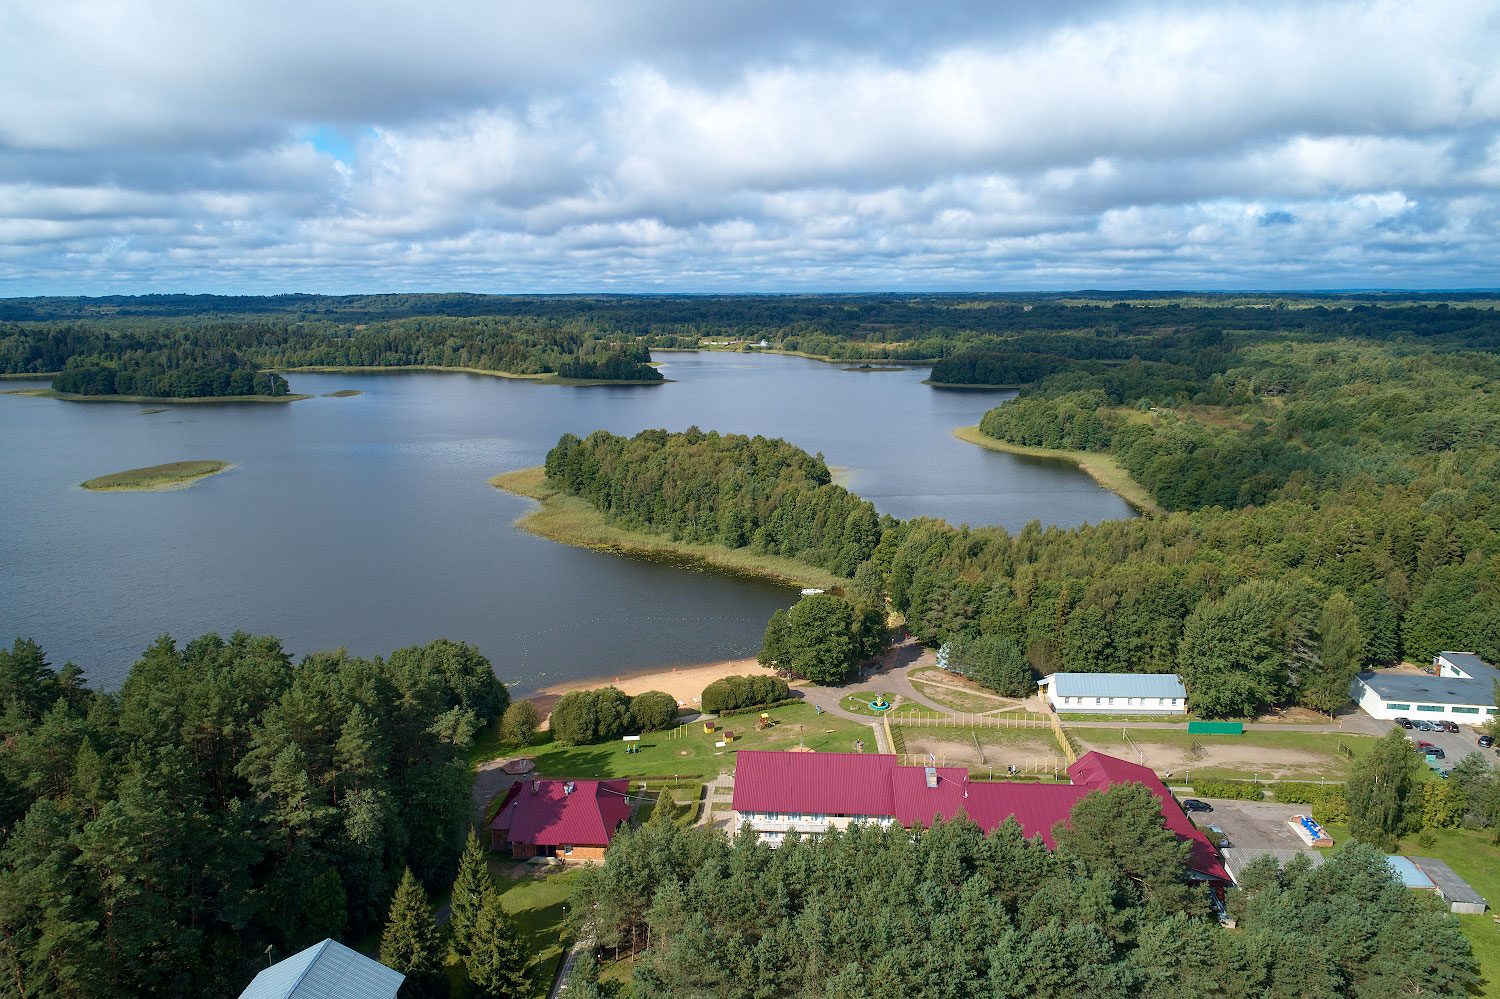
{"type": "Point", "coordinates": [966, 720]}
{"type": "Point", "coordinates": [1065, 740]}
{"type": "Point", "coordinates": [1029, 764]}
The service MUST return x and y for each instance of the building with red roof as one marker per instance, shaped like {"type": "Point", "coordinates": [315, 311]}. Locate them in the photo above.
{"type": "Point", "coordinates": [810, 793]}
{"type": "Point", "coordinates": [572, 820]}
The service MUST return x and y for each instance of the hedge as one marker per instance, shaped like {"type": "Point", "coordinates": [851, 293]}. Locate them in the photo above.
{"type": "Point", "coordinates": [753, 708]}
{"type": "Point", "coordinates": [742, 692]}
{"type": "Point", "coordinates": [1242, 790]}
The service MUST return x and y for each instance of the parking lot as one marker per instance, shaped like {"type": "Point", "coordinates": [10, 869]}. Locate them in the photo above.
{"type": "Point", "coordinates": [1454, 747]}
{"type": "Point", "coordinates": [1253, 825]}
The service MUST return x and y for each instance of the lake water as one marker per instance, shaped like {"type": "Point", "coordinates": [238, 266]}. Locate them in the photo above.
{"type": "Point", "coordinates": [367, 521]}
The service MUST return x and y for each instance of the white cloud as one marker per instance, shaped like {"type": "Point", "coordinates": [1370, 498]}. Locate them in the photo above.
{"type": "Point", "coordinates": [163, 144]}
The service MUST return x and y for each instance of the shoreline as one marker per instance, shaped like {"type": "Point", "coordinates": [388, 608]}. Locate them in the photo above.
{"type": "Point", "coordinates": [574, 521]}
{"type": "Point", "coordinates": [157, 478]}
{"type": "Point", "coordinates": [541, 378]}
{"type": "Point", "coordinates": [206, 400]}
{"type": "Point", "coordinates": [1102, 468]}
{"type": "Point", "coordinates": [684, 683]}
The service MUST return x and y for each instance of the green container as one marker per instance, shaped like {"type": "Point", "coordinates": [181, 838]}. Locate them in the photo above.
{"type": "Point", "coordinates": [1216, 728]}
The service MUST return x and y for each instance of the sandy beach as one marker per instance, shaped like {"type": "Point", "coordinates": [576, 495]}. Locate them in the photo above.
{"type": "Point", "coordinates": [685, 683]}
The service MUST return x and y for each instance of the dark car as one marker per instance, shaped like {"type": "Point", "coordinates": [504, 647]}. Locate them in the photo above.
{"type": "Point", "coordinates": [1423, 726]}
{"type": "Point", "coordinates": [1403, 722]}
{"type": "Point", "coordinates": [1194, 805]}
{"type": "Point", "coordinates": [1434, 753]}
{"type": "Point", "coordinates": [1486, 741]}
{"type": "Point", "coordinates": [1450, 726]}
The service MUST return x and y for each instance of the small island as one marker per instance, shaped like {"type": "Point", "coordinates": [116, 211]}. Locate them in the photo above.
{"type": "Point", "coordinates": [173, 475]}
{"type": "Point", "coordinates": [572, 520]}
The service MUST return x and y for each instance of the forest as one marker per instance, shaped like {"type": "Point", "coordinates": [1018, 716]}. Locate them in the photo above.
{"type": "Point", "coordinates": [157, 840]}
{"type": "Point", "coordinates": [1331, 505]}
{"type": "Point", "coordinates": [1014, 338]}
{"type": "Point", "coordinates": [880, 913]}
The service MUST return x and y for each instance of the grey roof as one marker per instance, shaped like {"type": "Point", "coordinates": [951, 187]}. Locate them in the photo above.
{"type": "Point", "coordinates": [326, 970]}
{"type": "Point", "coordinates": [1452, 887]}
{"type": "Point", "coordinates": [1430, 689]}
{"type": "Point", "coordinates": [1471, 664]}
{"type": "Point", "coordinates": [1116, 685]}
{"type": "Point", "coordinates": [1237, 858]}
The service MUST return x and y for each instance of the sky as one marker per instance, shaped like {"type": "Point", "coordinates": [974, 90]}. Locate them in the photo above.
{"type": "Point", "coordinates": [779, 145]}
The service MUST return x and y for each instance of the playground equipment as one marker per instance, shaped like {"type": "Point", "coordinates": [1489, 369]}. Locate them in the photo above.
{"type": "Point", "coordinates": [765, 722]}
{"type": "Point", "coordinates": [880, 703]}
{"type": "Point", "coordinates": [708, 728]}
{"type": "Point", "coordinates": [1309, 831]}
{"type": "Point", "coordinates": [728, 735]}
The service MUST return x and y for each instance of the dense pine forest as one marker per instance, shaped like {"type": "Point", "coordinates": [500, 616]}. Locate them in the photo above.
{"type": "Point", "coordinates": [1332, 504]}
{"type": "Point", "coordinates": [876, 913]}
{"type": "Point", "coordinates": [158, 840]}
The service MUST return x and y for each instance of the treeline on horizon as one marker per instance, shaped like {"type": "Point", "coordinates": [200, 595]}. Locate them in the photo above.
{"type": "Point", "coordinates": [883, 912]}
{"type": "Point", "coordinates": [1333, 505]}
{"type": "Point", "coordinates": [600, 336]}
{"type": "Point", "coordinates": [155, 841]}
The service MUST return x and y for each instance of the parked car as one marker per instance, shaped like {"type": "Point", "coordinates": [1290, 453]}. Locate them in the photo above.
{"type": "Point", "coordinates": [1403, 722]}
{"type": "Point", "coordinates": [1451, 726]}
{"type": "Point", "coordinates": [1434, 753]}
{"type": "Point", "coordinates": [1486, 741]}
{"type": "Point", "coordinates": [1423, 744]}
{"type": "Point", "coordinates": [1218, 837]}
{"type": "Point", "coordinates": [1424, 726]}
{"type": "Point", "coordinates": [1194, 805]}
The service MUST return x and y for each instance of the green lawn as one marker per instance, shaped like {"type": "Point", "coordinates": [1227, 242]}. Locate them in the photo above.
{"type": "Point", "coordinates": [687, 749]}
{"type": "Point", "coordinates": [1475, 857]}
{"type": "Point", "coordinates": [961, 700]}
{"type": "Point", "coordinates": [859, 702]}
{"type": "Point", "coordinates": [537, 905]}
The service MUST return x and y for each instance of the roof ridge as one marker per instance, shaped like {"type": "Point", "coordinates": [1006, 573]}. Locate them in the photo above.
{"type": "Point", "coordinates": [297, 984]}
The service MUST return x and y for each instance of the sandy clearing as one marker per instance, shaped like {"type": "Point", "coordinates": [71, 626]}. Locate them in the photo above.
{"type": "Point", "coordinates": [1169, 757]}
{"type": "Point", "coordinates": [1026, 754]}
{"type": "Point", "coordinates": [685, 683]}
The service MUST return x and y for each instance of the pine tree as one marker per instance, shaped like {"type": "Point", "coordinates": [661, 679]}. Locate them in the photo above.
{"type": "Point", "coordinates": [410, 941]}
{"type": "Point", "coordinates": [496, 961]}
{"type": "Point", "coordinates": [1340, 656]}
{"type": "Point", "coordinates": [472, 886]}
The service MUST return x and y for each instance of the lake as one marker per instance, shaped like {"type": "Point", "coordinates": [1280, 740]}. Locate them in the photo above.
{"type": "Point", "coordinates": [367, 521]}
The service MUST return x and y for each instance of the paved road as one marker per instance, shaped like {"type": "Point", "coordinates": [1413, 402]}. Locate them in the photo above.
{"type": "Point", "coordinates": [1253, 825]}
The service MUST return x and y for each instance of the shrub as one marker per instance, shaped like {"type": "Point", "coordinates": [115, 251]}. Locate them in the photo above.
{"type": "Point", "coordinates": [653, 710]}
{"type": "Point", "coordinates": [734, 692]}
{"type": "Point", "coordinates": [585, 716]}
{"type": "Point", "coordinates": [519, 723]}
{"type": "Point", "coordinates": [1243, 790]}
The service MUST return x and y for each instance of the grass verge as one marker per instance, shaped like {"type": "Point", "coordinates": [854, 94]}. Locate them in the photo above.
{"type": "Point", "coordinates": [1102, 468]}
{"type": "Point", "coordinates": [173, 475]}
{"type": "Point", "coordinates": [574, 521]}
{"type": "Point", "coordinates": [973, 702]}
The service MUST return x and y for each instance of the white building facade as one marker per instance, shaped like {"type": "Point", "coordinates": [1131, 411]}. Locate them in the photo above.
{"type": "Point", "coordinates": [1115, 693]}
{"type": "Point", "coordinates": [1462, 691]}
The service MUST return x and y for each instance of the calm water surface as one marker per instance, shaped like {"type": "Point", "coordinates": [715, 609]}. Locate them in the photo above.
{"type": "Point", "coordinates": [367, 521]}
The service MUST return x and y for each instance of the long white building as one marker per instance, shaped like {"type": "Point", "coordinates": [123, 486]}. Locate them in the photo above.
{"type": "Point", "coordinates": [1463, 691]}
{"type": "Point", "coordinates": [1115, 693]}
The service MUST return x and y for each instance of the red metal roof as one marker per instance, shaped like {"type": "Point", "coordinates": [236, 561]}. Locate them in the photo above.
{"type": "Point", "coordinates": [541, 813]}
{"type": "Point", "coordinates": [874, 784]}
{"type": "Point", "coordinates": [816, 783]}
{"type": "Point", "coordinates": [1094, 771]}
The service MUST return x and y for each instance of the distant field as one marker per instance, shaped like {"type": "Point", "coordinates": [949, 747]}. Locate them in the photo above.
{"type": "Point", "coordinates": [1267, 754]}
{"type": "Point", "coordinates": [173, 475]}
